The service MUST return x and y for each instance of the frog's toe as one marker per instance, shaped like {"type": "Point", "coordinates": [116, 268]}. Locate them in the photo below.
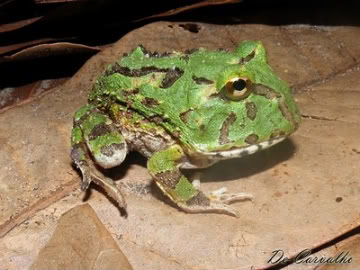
{"type": "Point", "coordinates": [110, 187]}
{"type": "Point", "coordinates": [86, 177]}
{"type": "Point", "coordinates": [221, 195]}
{"type": "Point", "coordinates": [80, 159]}
{"type": "Point", "coordinates": [91, 174]}
{"type": "Point", "coordinates": [213, 207]}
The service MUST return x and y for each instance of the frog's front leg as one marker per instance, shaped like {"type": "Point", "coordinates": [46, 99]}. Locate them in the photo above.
{"type": "Point", "coordinates": [164, 167]}
{"type": "Point", "coordinates": [95, 134]}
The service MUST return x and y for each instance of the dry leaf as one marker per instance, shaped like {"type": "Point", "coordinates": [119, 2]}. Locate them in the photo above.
{"type": "Point", "coordinates": [47, 50]}
{"type": "Point", "coordinates": [81, 241]}
{"type": "Point", "coordinates": [347, 254]}
{"type": "Point", "coordinates": [179, 10]}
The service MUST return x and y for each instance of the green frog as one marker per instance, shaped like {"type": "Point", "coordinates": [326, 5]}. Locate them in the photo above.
{"type": "Point", "coordinates": [182, 110]}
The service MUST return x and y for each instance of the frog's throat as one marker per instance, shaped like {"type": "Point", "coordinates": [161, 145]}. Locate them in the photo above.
{"type": "Point", "coordinates": [243, 151]}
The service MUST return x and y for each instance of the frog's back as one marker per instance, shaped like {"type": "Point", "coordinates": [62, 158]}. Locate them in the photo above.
{"type": "Point", "coordinates": [183, 93]}
{"type": "Point", "coordinates": [161, 85]}
{"type": "Point", "coordinates": [153, 72]}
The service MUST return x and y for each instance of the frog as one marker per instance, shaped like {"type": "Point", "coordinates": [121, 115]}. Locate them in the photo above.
{"type": "Point", "coordinates": [182, 110]}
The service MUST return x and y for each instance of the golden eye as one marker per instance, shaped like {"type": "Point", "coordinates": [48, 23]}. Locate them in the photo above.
{"type": "Point", "coordinates": [237, 89]}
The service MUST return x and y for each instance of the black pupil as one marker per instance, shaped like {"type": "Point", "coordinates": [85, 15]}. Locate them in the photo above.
{"type": "Point", "coordinates": [239, 84]}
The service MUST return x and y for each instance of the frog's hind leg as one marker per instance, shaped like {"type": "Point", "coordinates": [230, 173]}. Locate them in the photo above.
{"type": "Point", "coordinates": [94, 135]}
{"type": "Point", "coordinates": [164, 167]}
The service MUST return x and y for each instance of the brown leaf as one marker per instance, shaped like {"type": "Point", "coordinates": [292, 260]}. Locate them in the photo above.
{"type": "Point", "coordinates": [44, 2]}
{"type": "Point", "coordinates": [18, 24]}
{"type": "Point", "coordinates": [46, 50]}
{"type": "Point", "coordinates": [13, 96]}
{"type": "Point", "coordinates": [179, 10]}
{"type": "Point", "coordinates": [47, 70]}
{"type": "Point", "coordinates": [347, 252]}
{"type": "Point", "coordinates": [59, 23]}
{"type": "Point", "coordinates": [81, 241]}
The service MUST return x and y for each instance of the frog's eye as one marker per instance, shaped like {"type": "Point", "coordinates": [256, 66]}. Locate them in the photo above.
{"type": "Point", "coordinates": [237, 89]}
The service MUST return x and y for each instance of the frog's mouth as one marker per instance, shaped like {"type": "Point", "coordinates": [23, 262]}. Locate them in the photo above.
{"type": "Point", "coordinates": [243, 151]}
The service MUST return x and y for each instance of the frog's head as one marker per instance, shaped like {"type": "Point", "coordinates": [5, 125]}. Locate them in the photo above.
{"type": "Point", "coordinates": [247, 108]}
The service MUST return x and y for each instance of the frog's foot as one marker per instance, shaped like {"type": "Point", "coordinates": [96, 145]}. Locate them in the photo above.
{"type": "Point", "coordinates": [163, 166]}
{"type": "Point", "coordinates": [91, 174]}
{"type": "Point", "coordinates": [217, 199]}
{"type": "Point", "coordinates": [95, 139]}
{"type": "Point", "coordinates": [214, 202]}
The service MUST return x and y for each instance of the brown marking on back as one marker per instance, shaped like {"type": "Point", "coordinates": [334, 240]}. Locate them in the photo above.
{"type": "Point", "coordinates": [225, 128]}
{"type": "Point", "coordinates": [184, 116]}
{"type": "Point", "coordinates": [150, 102]}
{"type": "Point", "coordinates": [247, 58]}
{"type": "Point", "coordinates": [99, 130]}
{"type": "Point", "coordinates": [267, 92]}
{"type": "Point", "coordinates": [201, 80]}
{"type": "Point", "coordinates": [172, 75]}
{"type": "Point", "coordinates": [252, 139]}
{"type": "Point", "coordinates": [251, 110]}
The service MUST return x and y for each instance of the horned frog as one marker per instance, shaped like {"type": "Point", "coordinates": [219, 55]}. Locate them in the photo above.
{"type": "Point", "coordinates": [182, 111]}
